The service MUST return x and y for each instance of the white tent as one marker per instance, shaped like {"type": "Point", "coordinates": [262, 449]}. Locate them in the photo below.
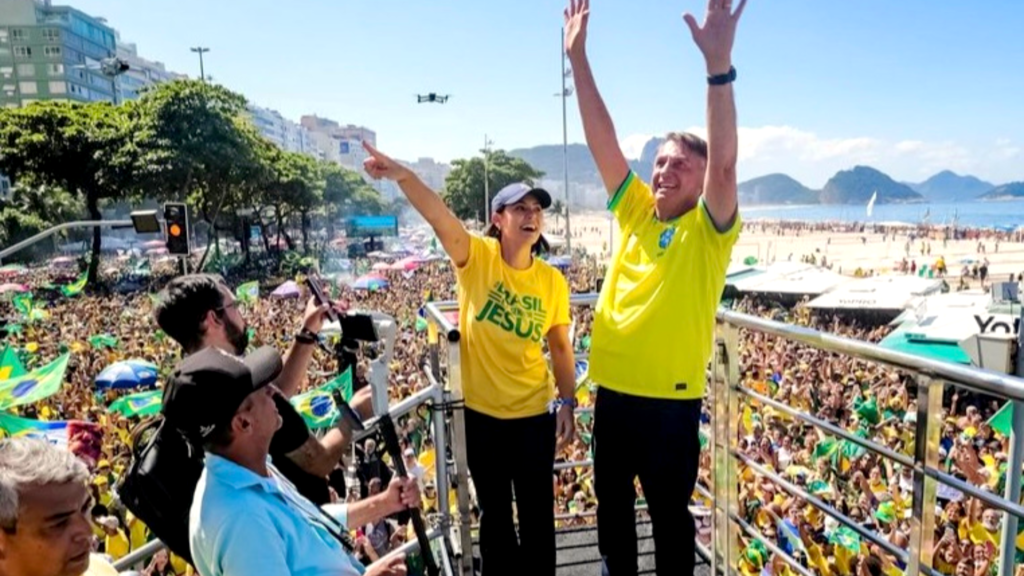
{"type": "Point", "coordinates": [793, 278]}
{"type": "Point", "coordinates": [879, 293]}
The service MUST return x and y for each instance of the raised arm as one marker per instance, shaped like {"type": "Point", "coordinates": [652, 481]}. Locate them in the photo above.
{"type": "Point", "coordinates": [446, 225]}
{"type": "Point", "coordinates": [715, 40]}
{"type": "Point", "coordinates": [597, 123]}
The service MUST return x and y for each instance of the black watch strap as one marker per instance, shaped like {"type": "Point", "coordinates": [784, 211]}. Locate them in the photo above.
{"type": "Point", "coordinates": [722, 79]}
{"type": "Point", "coordinates": [306, 336]}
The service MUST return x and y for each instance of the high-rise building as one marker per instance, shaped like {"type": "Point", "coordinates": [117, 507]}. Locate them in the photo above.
{"type": "Point", "coordinates": [286, 134]}
{"type": "Point", "coordinates": [53, 53]}
{"type": "Point", "coordinates": [430, 171]}
{"type": "Point", "coordinates": [340, 144]}
{"type": "Point", "coordinates": [141, 72]}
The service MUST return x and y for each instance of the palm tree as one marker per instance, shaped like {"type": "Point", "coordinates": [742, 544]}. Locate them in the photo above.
{"type": "Point", "coordinates": [558, 209]}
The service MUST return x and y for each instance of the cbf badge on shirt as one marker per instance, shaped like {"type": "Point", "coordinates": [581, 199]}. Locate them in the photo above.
{"type": "Point", "coordinates": [666, 237]}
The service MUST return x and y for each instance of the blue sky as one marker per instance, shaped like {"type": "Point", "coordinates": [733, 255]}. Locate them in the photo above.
{"type": "Point", "coordinates": [908, 86]}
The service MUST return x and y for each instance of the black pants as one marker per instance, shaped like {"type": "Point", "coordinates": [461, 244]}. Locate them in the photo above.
{"type": "Point", "coordinates": [657, 440]}
{"type": "Point", "coordinates": [505, 455]}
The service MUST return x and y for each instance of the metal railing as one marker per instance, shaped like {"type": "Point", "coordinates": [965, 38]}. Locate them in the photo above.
{"type": "Point", "coordinates": [726, 390]}
{"type": "Point", "coordinates": [931, 376]}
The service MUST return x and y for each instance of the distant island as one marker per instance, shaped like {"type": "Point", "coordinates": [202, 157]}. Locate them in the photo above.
{"type": "Point", "coordinates": [853, 186]}
{"type": "Point", "coordinates": [1011, 191]}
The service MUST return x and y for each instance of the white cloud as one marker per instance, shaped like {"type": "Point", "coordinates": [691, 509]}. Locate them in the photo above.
{"type": "Point", "coordinates": [633, 145]}
{"type": "Point", "coordinates": [813, 159]}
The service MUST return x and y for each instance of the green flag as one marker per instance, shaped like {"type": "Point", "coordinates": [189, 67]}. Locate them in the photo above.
{"type": "Point", "coordinates": [141, 404]}
{"type": "Point", "coordinates": [10, 365]}
{"type": "Point", "coordinates": [317, 406]}
{"type": "Point", "coordinates": [421, 324]}
{"type": "Point", "coordinates": [845, 537]}
{"type": "Point", "coordinates": [52, 432]}
{"type": "Point", "coordinates": [1001, 422]}
{"type": "Point", "coordinates": [23, 303]}
{"type": "Point", "coordinates": [76, 287]}
{"type": "Point", "coordinates": [35, 385]}
{"type": "Point", "coordinates": [867, 409]}
{"type": "Point", "coordinates": [101, 340]}
{"type": "Point", "coordinates": [248, 293]}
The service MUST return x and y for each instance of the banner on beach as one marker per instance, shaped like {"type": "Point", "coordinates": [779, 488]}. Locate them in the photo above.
{"type": "Point", "coordinates": [317, 406]}
{"type": "Point", "coordinates": [34, 386]}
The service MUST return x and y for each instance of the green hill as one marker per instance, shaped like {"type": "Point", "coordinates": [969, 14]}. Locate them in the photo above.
{"type": "Point", "coordinates": [776, 189]}
{"type": "Point", "coordinates": [947, 186]}
{"type": "Point", "coordinates": [1011, 191]}
{"type": "Point", "coordinates": [856, 186]}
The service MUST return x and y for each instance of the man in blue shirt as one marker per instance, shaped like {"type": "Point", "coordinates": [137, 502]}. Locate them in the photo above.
{"type": "Point", "coordinates": [246, 518]}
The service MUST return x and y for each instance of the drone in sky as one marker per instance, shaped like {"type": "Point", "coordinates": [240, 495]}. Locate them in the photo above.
{"type": "Point", "coordinates": [432, 97]}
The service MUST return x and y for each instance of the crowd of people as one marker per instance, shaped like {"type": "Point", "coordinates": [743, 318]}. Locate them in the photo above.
{"type": "Point", "coordinates": [870, 400]}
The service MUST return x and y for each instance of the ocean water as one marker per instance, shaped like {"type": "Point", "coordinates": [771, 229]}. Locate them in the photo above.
{"type": "Point", "coordinates": [1005, 215]}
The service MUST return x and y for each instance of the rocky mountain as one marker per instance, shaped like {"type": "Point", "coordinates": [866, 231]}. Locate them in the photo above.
{"type": "Point", "coordinates": [857, 185]}
{"type": "Point", "coordinates": [947, 186]}
{"type": "Point", "coordinates": [1011, 191]}
{"type": "Point", "coordinates": [776, 189]}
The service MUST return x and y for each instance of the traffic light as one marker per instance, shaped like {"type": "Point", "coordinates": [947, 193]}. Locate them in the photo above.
{"type": "Point", "coordinates": [176, 216]}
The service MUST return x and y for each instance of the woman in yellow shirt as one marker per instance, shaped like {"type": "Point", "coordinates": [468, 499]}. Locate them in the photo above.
{"type": "Point", "coordinates": [510, 304]}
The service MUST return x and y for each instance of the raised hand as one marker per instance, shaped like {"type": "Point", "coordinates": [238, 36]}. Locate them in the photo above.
{"type": "Point", "coordinates": [576, 16]}
{"type": "Point", "coordinates": [380, 165]}
{"type": "Point", "coordinates": [715, 37]}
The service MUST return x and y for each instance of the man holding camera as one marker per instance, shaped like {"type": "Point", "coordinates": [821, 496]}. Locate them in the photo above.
{"type": "Point", "coordinates": [199, 311]}
{"type": "Point", "coordinates": [246, 517]}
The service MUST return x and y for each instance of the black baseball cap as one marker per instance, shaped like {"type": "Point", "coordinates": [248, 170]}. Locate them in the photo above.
{"type": "Point", "coordinates": [515, 192]}
{"type": "Point", "coordinates": [207, 388]}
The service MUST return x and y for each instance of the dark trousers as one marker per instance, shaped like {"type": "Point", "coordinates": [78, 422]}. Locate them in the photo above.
{"type": "Point", "coordinates": [505, 455]}
{"type": "Point", "coordinates": [657, 440]}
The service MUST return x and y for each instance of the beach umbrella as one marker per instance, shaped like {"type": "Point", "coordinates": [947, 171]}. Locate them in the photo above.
{"type": "Point", "coordinates": [369, 282]}
{"type": "Point", "coordinates": [406, 264]}
{"type": "Point", "coordinates": [381, 266]}
{"type": "Point", "coordinates": [287, 290]}
{"type": "Point", "coordinates": [127, 374]}
{"type": "Point", "coordinates": [4, 288]}
{"type": "Point", "coordinates": [11, 270]}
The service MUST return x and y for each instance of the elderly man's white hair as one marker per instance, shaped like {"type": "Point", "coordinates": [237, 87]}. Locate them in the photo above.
{"type": "Point", "coordinates": [27, 462]}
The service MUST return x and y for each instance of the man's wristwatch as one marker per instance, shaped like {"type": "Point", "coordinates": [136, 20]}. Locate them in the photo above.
{"type": "Point", "coordinates": [722, 79]}
{"type": "Point", "coordinates": [557, 404]}
{"type": "Point", "coordinates": [307, 336]}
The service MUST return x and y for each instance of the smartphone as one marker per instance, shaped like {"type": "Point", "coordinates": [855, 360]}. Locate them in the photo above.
{"type": "Point", "coordinates": [318, 292]}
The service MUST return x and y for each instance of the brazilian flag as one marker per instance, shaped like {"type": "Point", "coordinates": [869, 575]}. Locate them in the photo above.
{"type": "Point", "coordinates": [317, 406]}
{"type": "Point", "coordinates": [141, 404]}
{"type": "Point", "coordinates": [10, 365]}
{"type": "Point", "coordinates": [34, 386]}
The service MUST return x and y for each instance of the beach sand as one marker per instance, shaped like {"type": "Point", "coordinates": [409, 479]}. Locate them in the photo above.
{"type": "Point", "coordinates": [845, 251]}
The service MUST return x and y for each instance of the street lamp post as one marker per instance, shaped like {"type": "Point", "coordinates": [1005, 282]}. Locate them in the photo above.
{"type": "Point", "coordinates": [201, 50]}
{"type": "Point", "coordinates": [566, 92]}
{"type": "Point", "coordinates": [487, 183]}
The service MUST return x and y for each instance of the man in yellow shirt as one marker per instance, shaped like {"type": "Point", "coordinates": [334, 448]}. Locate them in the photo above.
{"type": "Point", "coordinates": [654, 322]}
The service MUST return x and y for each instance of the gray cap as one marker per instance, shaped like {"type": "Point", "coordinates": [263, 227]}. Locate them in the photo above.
{"type": "Point", "coordinates": [515, 192]}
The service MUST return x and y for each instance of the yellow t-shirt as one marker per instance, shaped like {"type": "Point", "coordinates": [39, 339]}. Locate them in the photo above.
{"type": "Point", "coordinates": [504, 315]}
{"type": "Point", "coordinates": [655, 318]}
{"type": "Point", "coordinates": [117, 545]}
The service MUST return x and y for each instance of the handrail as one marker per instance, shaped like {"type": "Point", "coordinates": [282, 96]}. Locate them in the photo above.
{"type": "Point", "coordinates": [53, 230]}
{"type": "Point", "coordinates": [977, 379]}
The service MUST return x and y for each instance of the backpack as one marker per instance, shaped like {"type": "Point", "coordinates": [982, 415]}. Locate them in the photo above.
{"type": "Point", "coordinates": [161, 482]}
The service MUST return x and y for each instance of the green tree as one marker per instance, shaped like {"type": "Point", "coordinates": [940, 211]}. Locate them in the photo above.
{"type": "Point", "coordinates": [84, 149]}
{"type": "Point", "coordinates": [464, 186]}
{"type": "Point", "coordinates": [196, 145]}
{"type": "Point", "coordinates": [558, 209]}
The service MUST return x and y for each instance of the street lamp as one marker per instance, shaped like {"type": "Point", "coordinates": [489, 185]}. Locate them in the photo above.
{"type": "Point", "coordinates": [201, 50]}
{"type": "Point", "coordinates": [487, 184]}
{"type": "Point", "coordinates": [566, 92]}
